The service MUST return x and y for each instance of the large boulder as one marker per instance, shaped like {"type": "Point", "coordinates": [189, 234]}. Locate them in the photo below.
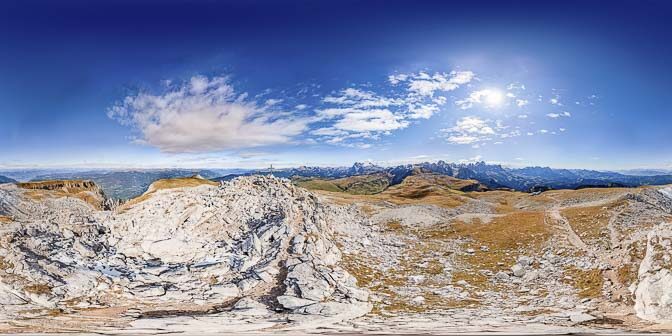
{"type": "Point", "coordinates": [653, 293]}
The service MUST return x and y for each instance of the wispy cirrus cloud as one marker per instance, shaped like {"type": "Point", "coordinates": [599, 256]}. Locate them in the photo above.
{"type": "Point", "coordinates": [363, 114]}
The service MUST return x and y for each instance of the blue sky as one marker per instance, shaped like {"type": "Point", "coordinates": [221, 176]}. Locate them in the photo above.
{"type": "Point", "coordinates": [580, 84]}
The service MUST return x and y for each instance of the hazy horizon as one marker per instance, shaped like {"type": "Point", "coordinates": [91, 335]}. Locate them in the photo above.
{"type": "Point", "coordinates": [382, 164]}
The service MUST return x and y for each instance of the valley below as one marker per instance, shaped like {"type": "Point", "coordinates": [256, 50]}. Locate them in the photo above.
{"type": "Point", "coordinates": [428, 254]}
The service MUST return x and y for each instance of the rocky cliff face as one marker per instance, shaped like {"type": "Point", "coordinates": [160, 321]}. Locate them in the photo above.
{"type": "Point", "coordinates": [258, 238]}
{"type": "Point", "coordinates": [85, 190]}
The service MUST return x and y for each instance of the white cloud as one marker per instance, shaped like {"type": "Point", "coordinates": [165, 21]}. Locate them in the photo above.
{"type": "Point", "coordinates": [463, 139]}
{"type": "Point", "coordinates": [490, 98]}
{"type": "Point", "coordinates": [476, 158]}
{"type": "Point", "coordinates": [473, 125]}
{"type": "Point", "coordinates": [522, 116]}
{"type": "Point", "coordinates": [422, 111]}
{"type": "Point", "coordinates": [272, 102]}
{"type": "Point", "coordinates": [353, 110]}
{"type": "Point", "coordinates": [328, 131]}
{"type": "Point", "coordinates": [204, 115]}
{"type": "Point", "coordinates": [470, 130]}
{"type": "Point", "coordinates": [423, 84]}
{"type": "Point", "coordinates": [522, 102]}
{"type": "Point", "coordinates": [370, 121]}
{"type": "Point", "coordinates": [555, 101]}
{"type": "Point", "coordinates": [558, 115]}
{"type": "Point", "coordinates": [396, 79]}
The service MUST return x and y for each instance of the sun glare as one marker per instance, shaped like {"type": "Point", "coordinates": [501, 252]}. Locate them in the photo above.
{"type": "Point", "coordinates": [493, 98]}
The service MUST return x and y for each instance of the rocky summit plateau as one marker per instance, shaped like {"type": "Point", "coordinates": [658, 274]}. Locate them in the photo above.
{"type": "Point", "coordinates": [263, 254]}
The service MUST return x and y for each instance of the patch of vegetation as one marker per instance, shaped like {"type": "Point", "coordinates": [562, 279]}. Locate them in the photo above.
{"type": "Point", "coordinates": [315, 184]}
{"type": "Point", "coordinates": [588, 282]}
{"type": "Point", "coordinates": [384, 283]}
{"type": "Point", "coordinates": [394, 225]}
{"type": "Point", "coordinates": [422, 185]}
{"type": "Point", "coordinates": [4, 264]}
{"type": "Point", "coordinates": [591, 223]}
{"type": "Point", "coordinates": [355, 185]}
{"type": "Point", "coordinates": [504, 238]}
{"type": "Point", "coordinates": [627, 274]}
{"type": "Point", "coordinates": [180, 182]}
{"type": "Point", "coordinates": [40, 289]}
{"type": "Point", "coordinates": [85, 190]}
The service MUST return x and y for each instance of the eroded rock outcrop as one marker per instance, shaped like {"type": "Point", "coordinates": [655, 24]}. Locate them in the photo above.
{"type": "Point", "coordinates": [258, 238]}
{"type": "Point", "coordinates": [654, 291]}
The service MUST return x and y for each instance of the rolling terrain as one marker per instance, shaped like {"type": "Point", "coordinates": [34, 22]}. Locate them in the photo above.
{"type": "Point", "coordinates": [490, 175]}
{"type": "Point", "coordinates": [432, 254]}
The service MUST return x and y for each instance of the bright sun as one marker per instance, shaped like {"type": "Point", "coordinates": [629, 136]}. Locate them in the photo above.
{"type": "Point", "coordinates": [493, 98]}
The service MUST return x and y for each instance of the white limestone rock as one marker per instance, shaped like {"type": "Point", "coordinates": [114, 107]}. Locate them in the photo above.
{"type": "Point", "coordinates": [653, 293]}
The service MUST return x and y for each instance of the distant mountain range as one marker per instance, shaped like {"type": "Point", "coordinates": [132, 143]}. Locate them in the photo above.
{"type": "Point", "coordinates": [126, 184]}
{"type": "Point", "coordinates": [493, 176]}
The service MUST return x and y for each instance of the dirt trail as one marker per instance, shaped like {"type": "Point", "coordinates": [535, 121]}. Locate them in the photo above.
{"type": "Point", "coordinates": [572, 236]}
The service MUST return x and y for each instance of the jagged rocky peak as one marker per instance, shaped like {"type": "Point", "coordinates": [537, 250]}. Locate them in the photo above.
{"type": "Point", "coordinates": [257, 237]}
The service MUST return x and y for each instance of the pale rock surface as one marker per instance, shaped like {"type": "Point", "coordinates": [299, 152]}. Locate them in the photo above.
{"type": "Point", "coordinates": [205, 245]}
{"type": "Point", "coordinates": [653, 294]}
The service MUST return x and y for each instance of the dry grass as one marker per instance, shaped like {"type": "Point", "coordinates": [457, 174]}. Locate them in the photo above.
{"type": "Point", "coordinates": [5, 219]}
{"type": "Point", "coordinates": [84, 190]}
{"type": "Point", "coordinates": [425, 189]}
{"type": "Point", "coordinates": [424, 185]}
{"type": "Point", "coordinates": [588, 282]}
{"type": "Point", "coordinates": [448, 200]}
{"type": "Point", "coordinates": [506, 237]}
{"type": "Point", "coordinates": [180, 182]}
{"type": "Point", "coordinates": [514, 201]}
{"type": "Point", "coordinates": [589, 194]}
{"type": "Point", "coordinates": [39, 289]}
{"type": "Point", "coordinates": [589, 223]}
{"type": "Point", "coordinates": [4, 264]}
{"type": "Point", "coordinates": [519, 229]}
{"type": "Point", "coordinates": [393, 225]}
{"type": "Point", "coordinates": [508, 232]}
{"type": "Point", "coordinates": [356, 185]}
{"type": "Point", "coordinates": [384, 283]}
{"type": "Point", "coordinates": [316, 184]}
{"type": "Point", "coordinates": [627, 274]}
